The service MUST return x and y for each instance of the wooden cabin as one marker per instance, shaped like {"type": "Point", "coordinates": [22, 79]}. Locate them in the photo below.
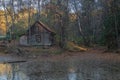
{"type": "Point", "coordinates": [38, 34]}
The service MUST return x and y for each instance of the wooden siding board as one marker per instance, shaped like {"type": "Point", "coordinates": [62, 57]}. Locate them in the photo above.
{"type": "Point", "coordinates": [44, 32]}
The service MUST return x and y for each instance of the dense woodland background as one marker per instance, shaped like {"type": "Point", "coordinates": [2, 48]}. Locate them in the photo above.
{"type": "Point", "coordinates": [84, 22]}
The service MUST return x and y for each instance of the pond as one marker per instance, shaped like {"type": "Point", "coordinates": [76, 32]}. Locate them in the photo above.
{"type": "Point", "coordinates": [11, 72]}
{"type": "Point", "coordinates": [60, 70]}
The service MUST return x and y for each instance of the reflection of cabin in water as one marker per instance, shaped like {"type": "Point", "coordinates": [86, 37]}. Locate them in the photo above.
{"type": "Point", "coordinates": [38, 34]}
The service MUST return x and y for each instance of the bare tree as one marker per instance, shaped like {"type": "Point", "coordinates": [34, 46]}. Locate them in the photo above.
{"type": "Point", "coordinates": [63, 5]}
{"type": "Point", "coordinates": [13, 19]}
{"type": "Point", "coordinates": [6, 18]}
{"type": "Point", "coordinates": [39, 8]}
{"type": "Point", "coordinates": [29, 21]}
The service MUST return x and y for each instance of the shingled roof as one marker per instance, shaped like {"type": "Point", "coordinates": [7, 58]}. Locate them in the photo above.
{"type": "Point", "coordinates": [42, 25]}
{"type": "Point", "coordinates": [45, 26]}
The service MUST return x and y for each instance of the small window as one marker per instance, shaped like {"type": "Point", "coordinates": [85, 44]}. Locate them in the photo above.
{"type": "Point", "coordinates": [38, 38]}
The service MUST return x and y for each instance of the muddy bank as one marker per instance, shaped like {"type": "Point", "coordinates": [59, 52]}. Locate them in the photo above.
{"type": "Point", "coordinates": [38, 54]}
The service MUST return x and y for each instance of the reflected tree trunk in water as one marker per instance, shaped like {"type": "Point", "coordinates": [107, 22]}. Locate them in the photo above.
{"type": "Point", "coordinates": [13, 71]}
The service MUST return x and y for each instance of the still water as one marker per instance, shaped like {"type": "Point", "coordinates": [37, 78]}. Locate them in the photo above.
{"type": "Point", "coordinates": [60, 70]}
{"type": "Point", "coordinates": [11, 72]}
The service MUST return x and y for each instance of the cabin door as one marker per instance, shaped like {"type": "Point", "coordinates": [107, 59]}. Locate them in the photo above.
{"type": "Point", "coordinates": [38, 38]}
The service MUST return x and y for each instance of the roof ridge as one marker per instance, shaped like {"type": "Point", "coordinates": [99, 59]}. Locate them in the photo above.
{"type": "Point", "coordinates": [45, 26]}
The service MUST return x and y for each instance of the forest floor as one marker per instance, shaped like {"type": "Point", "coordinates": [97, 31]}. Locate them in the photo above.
{"type": "Point", "coordinates": [55, 54]}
